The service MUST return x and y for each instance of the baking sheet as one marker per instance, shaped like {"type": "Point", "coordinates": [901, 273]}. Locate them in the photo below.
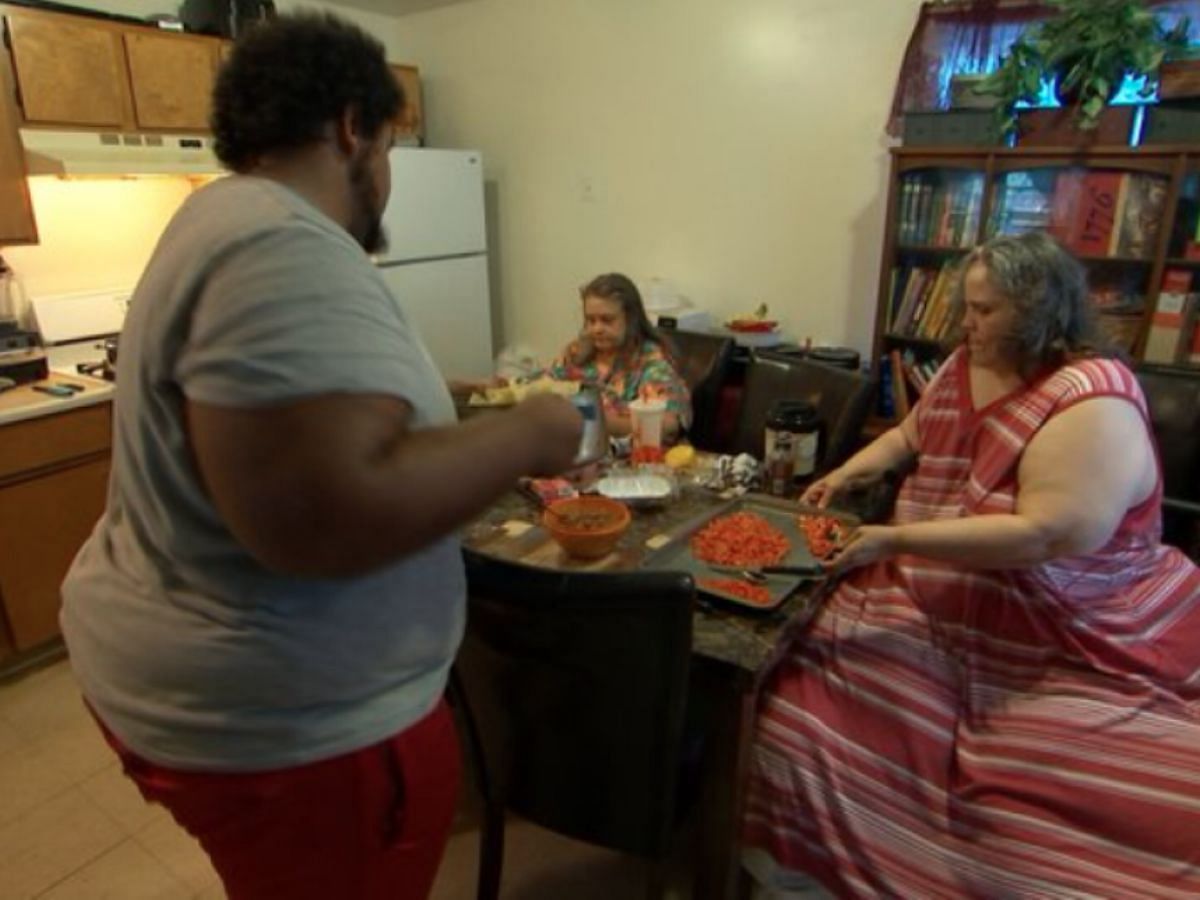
{"type": "Point", "coordinates": [676, 556]}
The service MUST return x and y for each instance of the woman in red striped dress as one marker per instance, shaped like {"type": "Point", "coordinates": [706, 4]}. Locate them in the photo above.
{"type": "Point", "coordinates": [1002, 697]}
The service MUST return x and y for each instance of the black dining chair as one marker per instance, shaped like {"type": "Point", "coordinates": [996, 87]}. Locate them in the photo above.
{"type": "Point", "coordinates": [842, 398]}
{"type": "Point", "coordinates": [571, 689]}
{"type": "Point", "coordinates": [703, 362]}
{"type": "Point", "coordinates": [1173, 398]}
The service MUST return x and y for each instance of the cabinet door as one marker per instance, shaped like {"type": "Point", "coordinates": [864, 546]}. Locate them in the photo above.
{"type": "Point", "coordinates": [172, 80]}
{"type": "Point", "coordinates": [43, 523]}
{"type": "Point", "coordinates": [411, 121]}
{"type": "Point", "coordinates": [16, 212]}
{"type": "Point", "coordinates": [69, 71]}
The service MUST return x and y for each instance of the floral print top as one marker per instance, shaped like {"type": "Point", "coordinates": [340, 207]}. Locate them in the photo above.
{"type": "Point", "coordinates": [645, 373]}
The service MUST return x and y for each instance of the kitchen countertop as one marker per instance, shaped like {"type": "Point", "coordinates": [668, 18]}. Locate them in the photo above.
{"type": "Point", "coordinates": [23, 402]}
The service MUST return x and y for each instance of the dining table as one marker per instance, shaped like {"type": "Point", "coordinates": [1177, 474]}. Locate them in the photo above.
{"type": "Point", "coordinates": [732, 650]}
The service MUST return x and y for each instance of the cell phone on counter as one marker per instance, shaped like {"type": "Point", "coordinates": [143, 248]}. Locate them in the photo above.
{"type": "Point", "coordinates": [58, 390]}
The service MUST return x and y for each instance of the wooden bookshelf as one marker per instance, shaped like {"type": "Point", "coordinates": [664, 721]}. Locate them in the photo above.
{"type": "Point", "coordinates": [944, 200]}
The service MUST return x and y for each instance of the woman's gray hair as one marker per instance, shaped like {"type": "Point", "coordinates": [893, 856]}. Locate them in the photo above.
{"type": "Point", "coordinates": [1055, 320]}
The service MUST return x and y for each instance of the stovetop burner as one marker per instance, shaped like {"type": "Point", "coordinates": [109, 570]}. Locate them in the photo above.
{"type": "Point", "coordinates": [102, 369]}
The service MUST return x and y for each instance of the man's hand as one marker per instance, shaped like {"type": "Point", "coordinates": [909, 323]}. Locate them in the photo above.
{"type": "Point", "coordinates": [558, 427]}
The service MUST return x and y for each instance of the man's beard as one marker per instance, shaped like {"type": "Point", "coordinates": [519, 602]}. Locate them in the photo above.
{"type": "Point", "coordinates": [366, 222]}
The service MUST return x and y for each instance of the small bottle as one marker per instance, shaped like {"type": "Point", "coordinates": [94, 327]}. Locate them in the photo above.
{"type": "Point", "coordinates": [781, 464]}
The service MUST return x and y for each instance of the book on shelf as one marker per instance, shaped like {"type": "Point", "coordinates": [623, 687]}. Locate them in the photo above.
{"type": "Point", "coordinates": [1064, 222]}
{"type": "Point", "coordinates": [1165, 340]}
{"type": "Point", "coordinates": [916, 372]}
{"type": "Point", "coordinates": [1189, 351]}
{"type": "Point", "coordinates": [921, 300]}
{"type": "Point", "coordinates": [939, 213]}
{"type": "Point", "coordinates": [1108, 213]}
{"type": "Point", "coordinates": [1144, 199]}
{"type": "Point", "coordinates": [1023, 203]}
{"type": "Point", "coordinates": [899, 385]}
{"type": "Point", "coordinates": [924, 212]}
{"type": "Point", "coordinates": [886, 400]}
{"type": "Point", "coordinates": [908, 190]}
{"type": "Point", "coordinates": [1096, 214]}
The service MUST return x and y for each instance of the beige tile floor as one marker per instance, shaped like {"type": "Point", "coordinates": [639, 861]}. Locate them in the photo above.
{"type": "Point", "coordinates": [73, 828]}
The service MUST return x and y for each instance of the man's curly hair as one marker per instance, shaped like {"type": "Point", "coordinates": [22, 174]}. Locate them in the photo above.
{"type": "Point", "coordinates": [290, 77]}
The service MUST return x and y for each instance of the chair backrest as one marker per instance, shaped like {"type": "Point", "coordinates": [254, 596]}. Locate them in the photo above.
{"type": "Point", "coordinates": [1173, 397]}
{"type": "Point", "coordinates": [577, 685]}
{"type": "Point", "coordinates": [703, 361]}
{"type": "Point", "coordinates": [842, 398]}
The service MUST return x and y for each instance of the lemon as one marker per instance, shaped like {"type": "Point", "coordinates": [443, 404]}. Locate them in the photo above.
{"type": "Point", "coordinates": [681, 457]}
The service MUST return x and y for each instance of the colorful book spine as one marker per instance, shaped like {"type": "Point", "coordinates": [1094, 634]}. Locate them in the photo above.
{"type": "Point", "coordinates": [1097, 212]}
{"type": "Point", "coordinates": [1166, 337]}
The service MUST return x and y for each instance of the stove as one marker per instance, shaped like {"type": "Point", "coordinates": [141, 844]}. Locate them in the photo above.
{"type": "Point", "coordinates": [77, 330]}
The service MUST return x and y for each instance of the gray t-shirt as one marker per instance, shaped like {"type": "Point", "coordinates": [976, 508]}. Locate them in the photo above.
{"type": "Point", "coordinates": [190, 651]}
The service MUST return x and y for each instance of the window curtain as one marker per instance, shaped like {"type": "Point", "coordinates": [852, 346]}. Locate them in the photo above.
{"type": "Point", "coordinates": [967, 37]}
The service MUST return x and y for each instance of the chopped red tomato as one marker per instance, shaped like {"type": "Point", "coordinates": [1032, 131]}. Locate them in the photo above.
{"type": "Point", "coordinates": [740, 539]}
{"type": "Point", "coordinates": [823, 533]}
{"type": "Point", "coordinates": [751, 593]}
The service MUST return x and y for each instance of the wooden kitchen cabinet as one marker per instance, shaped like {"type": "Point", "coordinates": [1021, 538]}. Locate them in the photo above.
{"type": "Point", "coordinates": [172, 79]}
{"type": "Point", "coordinates": [69, 70]}
{"type": "Point", "coordinates": [411, 122]}
{"type": "Point", "coordinates": [53, 483]}
{"type": "Point", "coordinates": [17, 225]}
{"type": "Point", "coordinates": [79, 72]}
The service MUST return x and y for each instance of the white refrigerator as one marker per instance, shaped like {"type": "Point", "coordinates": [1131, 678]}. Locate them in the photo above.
{"type": "Point", "coordinates": [436, 261]}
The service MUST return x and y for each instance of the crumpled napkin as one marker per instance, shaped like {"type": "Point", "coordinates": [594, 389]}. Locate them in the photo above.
{"type": "Point", "coordinates": [739, 473]}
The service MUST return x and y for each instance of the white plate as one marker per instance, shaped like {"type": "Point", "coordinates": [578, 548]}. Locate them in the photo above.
{"type": "Point", "coordinates": [635, 488]}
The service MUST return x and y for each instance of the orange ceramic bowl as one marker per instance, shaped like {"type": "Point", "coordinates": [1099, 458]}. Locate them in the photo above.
{"type": "Point", "coordinates": [586, 527]}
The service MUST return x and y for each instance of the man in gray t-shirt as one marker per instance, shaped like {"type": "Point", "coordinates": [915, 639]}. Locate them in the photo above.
{"type": "Point", "coordinates": [264, 618]}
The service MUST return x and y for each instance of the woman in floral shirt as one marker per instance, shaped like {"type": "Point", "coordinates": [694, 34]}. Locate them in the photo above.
{"type": "Point", "coordinates": [620, 351]}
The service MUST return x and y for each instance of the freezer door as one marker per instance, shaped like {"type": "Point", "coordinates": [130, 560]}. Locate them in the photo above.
{"type": "Point", "coordinates": [436, 205]}
{"type": "Point", "coordinates": [449, 303]}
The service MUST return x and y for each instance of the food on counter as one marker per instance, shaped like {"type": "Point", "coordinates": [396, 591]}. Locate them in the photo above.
{"type": "Point", "coordinates": [740, 539]}
{"type": "Point", "coordinates": [587, 527]}
{"type": "Point", "coordinates": [493, 396]}
{"type": "Point", "coordinates": [509, 394]}
{"type": "Point", "coordinates": [823, 533]}
{"type": "Point", "coordinates": [756, 321]}
{"type": "Point", "coordinates": [751, 593]}
{"type": "Point", "coordinates": [681, 456]}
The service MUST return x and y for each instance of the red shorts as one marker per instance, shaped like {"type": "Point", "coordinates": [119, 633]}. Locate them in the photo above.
{"type": "Point", "coordinates": [368, 824]}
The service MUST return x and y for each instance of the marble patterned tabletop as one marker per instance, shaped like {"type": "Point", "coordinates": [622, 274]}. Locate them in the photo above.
{"type": "Point", "coordinates": [509, 530]}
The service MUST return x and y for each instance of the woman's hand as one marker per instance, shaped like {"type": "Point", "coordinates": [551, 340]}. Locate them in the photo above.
{"type": "Point", "coordinates": [828, 488]}
{"type": "Point", "coordinates": [867, 544]}
{"type": "Point", "coordinates": [822, 491]}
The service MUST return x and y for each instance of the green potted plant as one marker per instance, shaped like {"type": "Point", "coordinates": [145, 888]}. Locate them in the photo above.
{"type": "Point", "coordinates": [1090, 46]}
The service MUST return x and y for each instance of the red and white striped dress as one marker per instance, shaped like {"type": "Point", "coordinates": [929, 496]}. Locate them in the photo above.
{"type": "Point", "coordinates": [946, 732]}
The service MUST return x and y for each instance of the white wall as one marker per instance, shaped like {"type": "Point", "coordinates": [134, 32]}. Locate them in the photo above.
{"type": "Point", "coordinates": [734, 147]}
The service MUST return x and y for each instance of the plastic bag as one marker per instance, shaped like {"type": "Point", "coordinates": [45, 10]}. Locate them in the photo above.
{"type": "Point", "coordinates": [516, 362]}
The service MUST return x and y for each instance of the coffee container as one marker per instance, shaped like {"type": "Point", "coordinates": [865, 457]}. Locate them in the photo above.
{"type": "Point", "coordinates": [792, 441]}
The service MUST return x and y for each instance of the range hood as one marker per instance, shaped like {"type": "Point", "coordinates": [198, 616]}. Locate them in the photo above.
{"type": "Point", "coordinates": [111, 153]}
